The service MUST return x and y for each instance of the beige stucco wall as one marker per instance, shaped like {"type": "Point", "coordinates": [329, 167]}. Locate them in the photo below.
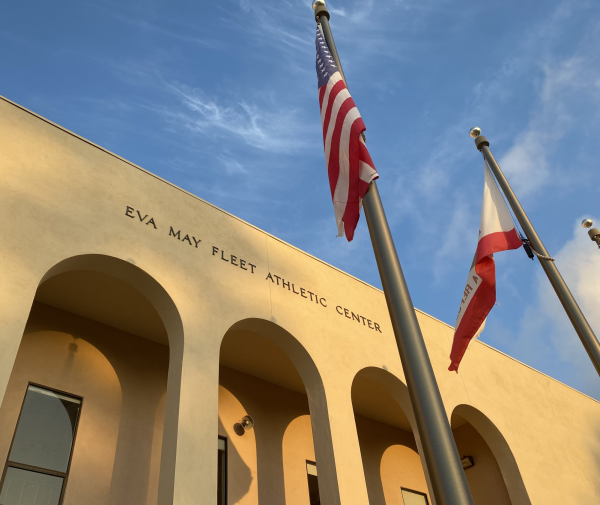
{"type": "Point", "coordinates": [62, 197]}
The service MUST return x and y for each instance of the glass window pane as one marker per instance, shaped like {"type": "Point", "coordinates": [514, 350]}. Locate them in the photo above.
{"type": "Point", "coordinates": [45, 431]}
{"type": "Point", "coordinates": [413, 498]}
{"type": "Point", "coordinates": [22, 487]}
{"type": "Point", "coordinates": [313, 484]}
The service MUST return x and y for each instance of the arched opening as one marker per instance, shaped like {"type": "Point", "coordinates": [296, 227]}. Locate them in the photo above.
{"type": "Point", "coordinates": [494, 478]}
{"type": "Point", "coordinates": [267, 374]}
{"type": "Point", "coordinates": [104, 334]}
{"type": "Point", "coordinates": [391, 462]}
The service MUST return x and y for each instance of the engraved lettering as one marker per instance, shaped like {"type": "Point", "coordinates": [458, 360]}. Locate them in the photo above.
{"type": "Point", "coordinates": [377, 328]}
{"type": "Point", "coordinates": [243, 262]}
{"type": "Point", "coordinates": [151, 222]}
{"type": "Point", "coordinates": [128, 212]}
{"type": "Point", "coordinates": [215, 250]}
{"type": "Point", "coordinates": [339, 310]}
{"type": "Point", "coordinates": [233, 260]}
{"type": "Point", "coordinates": [196, 241]}
{"type": "Point", "coordinates": [187, 237]}
{"type": "Point", "coordinates": [140, 216]}
{"type": "Point", "coordinates": [172, 232]}
{"type": "Point", "coordinates": [223, 258]}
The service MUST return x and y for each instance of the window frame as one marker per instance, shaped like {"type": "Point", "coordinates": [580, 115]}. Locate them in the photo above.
{"type": "Point", "coordinates": [31, 468]}
{"type": "Point", "coordinates": [314, 463]}
{"type": "Point", "coordinates": [424, 495]}
{"type": "Point", "coordinates": [225, 471]}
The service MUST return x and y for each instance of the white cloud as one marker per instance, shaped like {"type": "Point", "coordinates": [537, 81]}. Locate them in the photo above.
{"type": "Point", "coordinates": [546, 334]}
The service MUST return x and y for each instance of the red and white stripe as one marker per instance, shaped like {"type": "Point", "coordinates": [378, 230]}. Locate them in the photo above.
{"type": "Point", "coordinates": [349, 164]}
{"type": "Point", "coordinates": [496, 233]}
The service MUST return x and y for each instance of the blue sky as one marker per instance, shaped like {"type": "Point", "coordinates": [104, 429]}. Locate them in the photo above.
{"type": "Point", "coordinates": [220, 98]}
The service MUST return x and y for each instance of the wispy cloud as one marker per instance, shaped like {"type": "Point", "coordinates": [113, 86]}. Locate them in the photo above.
{"type": "Point", "coordinates": [273, 130]}
{"type": "Point", "coordinates": [145, 25]}
{"type": "Point", "coordinates": [357, 13]}
{"type": "Point", "coordinates": [566, 84]}
{"type": "Point", "coordinates": [560, 79]}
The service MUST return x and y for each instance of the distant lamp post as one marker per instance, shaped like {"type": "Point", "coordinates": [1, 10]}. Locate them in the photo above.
{"type": "Point", "coordinates": [467, 462]}
{"type": "Point", "coordinates": [594, 233]}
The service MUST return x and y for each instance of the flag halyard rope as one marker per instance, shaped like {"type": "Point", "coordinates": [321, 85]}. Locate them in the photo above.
{"type": "Point", "coordinates": [540, 256]}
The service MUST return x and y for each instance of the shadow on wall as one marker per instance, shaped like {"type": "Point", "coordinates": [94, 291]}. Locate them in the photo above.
{"type": "Point", "coordinates": [297, 450]}
{"type": "Point", "coordinates": [273, 409]}
{"type": "Point", "coordinates": [275, 379]}
{"type": "Point", "coordinates": [495, 479]}
{"type": "Point", "coordinates": [242, 486]}
{"type": "Point", "coordinates": [45, 358]}
{"type": "Point", "coordinates": [596, 456]}
{"type": "Point", "coordinates": [387, 443]}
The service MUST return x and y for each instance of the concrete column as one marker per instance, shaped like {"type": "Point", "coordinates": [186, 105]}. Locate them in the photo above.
{"type": "Point", "coordinates": [337, 450]}
{"type": "Point", "coordinates": [189, 464]}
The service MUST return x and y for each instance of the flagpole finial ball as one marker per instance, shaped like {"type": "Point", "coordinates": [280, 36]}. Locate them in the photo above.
{"type": "Point", "coordinates": [318, 3]}
{"type": "Point", "coordinates": [475, 132]}
{"type": "Point", "coordinates": [587, 223]}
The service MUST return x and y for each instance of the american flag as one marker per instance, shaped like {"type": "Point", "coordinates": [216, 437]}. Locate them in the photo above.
{"type": "Point", "coordinates": [349, 164]}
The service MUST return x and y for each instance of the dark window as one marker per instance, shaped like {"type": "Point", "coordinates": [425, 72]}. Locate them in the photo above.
{"type": "Point", "coordinates": [411, 497]}
{"type": "Point", "coordinates": [222, 484]}
{"type": "Point", "coordinates": [40, 454]}
{"type": "Point", "coordinates": [313, 483]}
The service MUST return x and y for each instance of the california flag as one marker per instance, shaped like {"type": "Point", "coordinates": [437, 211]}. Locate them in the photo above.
{"type": "Point", "coordinates": [496, 233]}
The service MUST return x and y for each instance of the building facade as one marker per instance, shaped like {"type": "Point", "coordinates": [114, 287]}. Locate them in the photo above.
{"type": "Point", "coordinates": [155, 349]}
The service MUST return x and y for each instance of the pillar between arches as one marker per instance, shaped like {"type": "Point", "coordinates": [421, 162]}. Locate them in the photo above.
{"type": "Point", "coordinates": [189, 474]}
{"type": "Point", "coordinates": [337, 450]}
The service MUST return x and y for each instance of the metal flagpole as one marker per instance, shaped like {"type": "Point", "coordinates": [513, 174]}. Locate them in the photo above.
{"type": "Point", "coordinates": [578, 320]}
{"type": "Point", "coordinates": [446, 474]}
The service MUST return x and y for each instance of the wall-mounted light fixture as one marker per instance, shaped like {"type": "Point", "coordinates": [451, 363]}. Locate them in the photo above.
{"type": "Point", "coordinates": [246, 423]}
{"type": "Point", "coordinates": [467, 462]}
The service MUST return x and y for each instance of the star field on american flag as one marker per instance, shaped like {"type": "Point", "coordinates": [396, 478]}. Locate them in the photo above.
{"type": "Point", "coordinates": [325, 64]}
{"type": "Point", "coordinates": [349, 165]}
